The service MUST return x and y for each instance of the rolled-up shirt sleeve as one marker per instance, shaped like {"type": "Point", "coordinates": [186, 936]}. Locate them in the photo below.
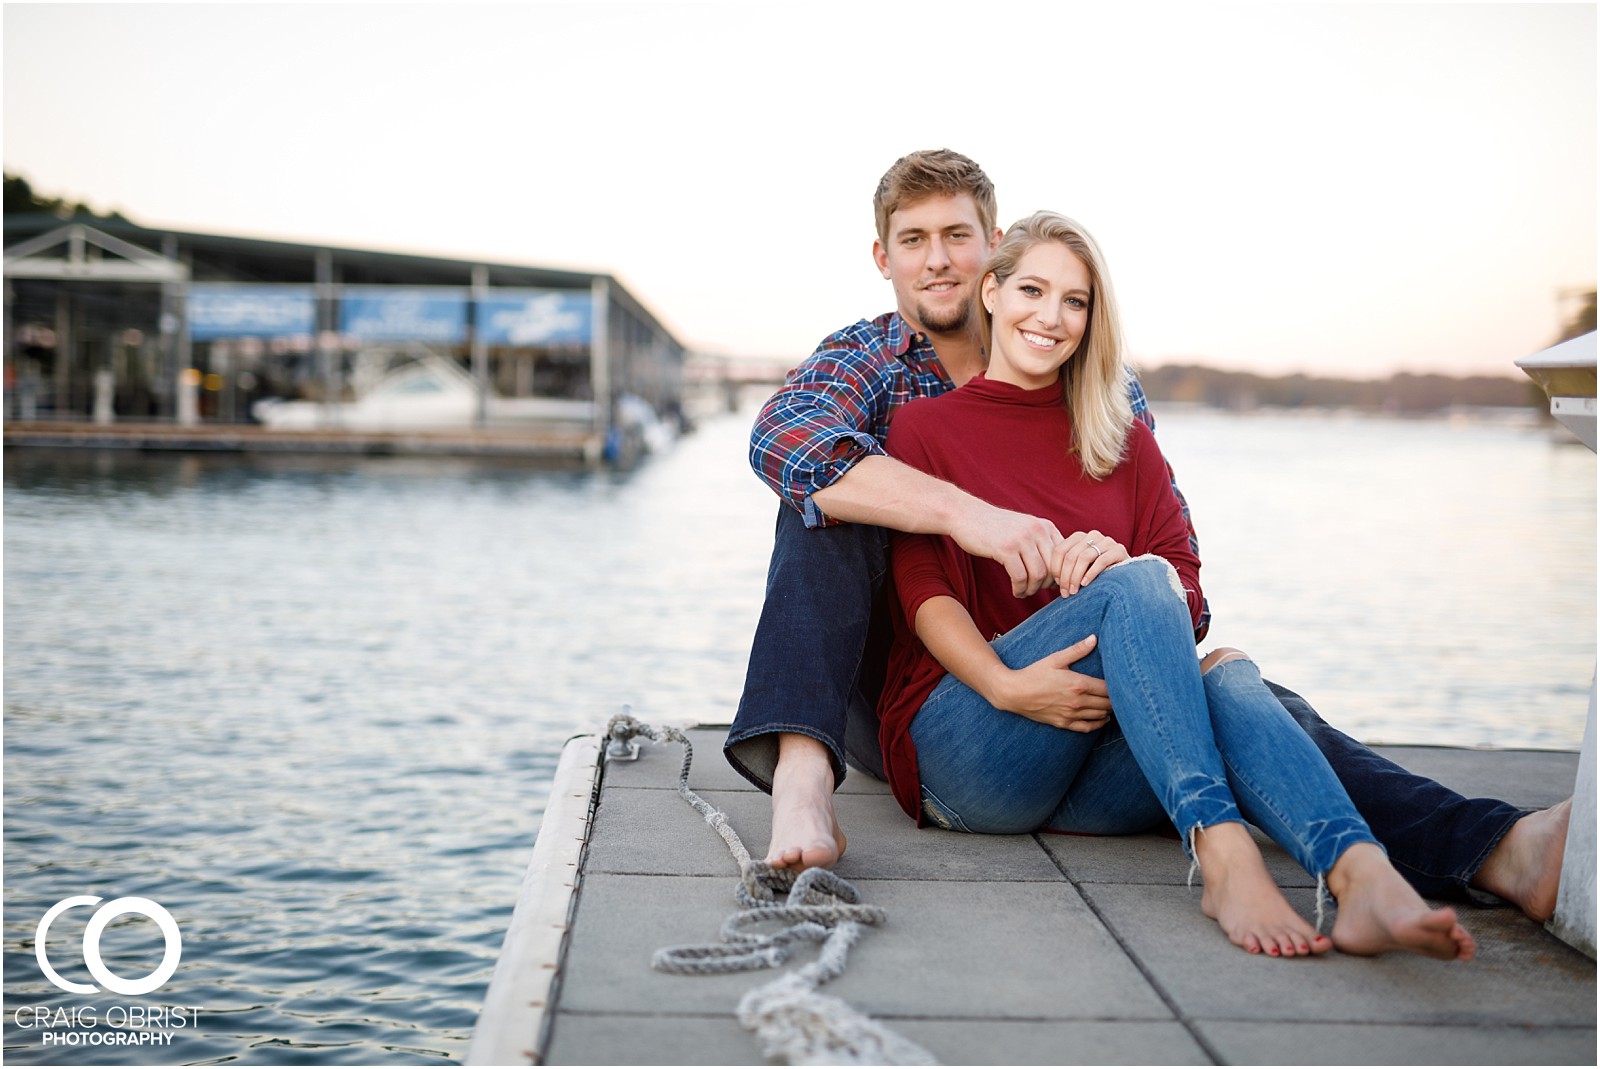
{"type": "Point", "coordinates": [830, 413]}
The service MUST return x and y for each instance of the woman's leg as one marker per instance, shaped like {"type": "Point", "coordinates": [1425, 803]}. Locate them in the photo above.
{"type": "Point", "coordinates": [1147, 652]}
{"type": "Point", "coordinates": [1285, 787]}
{"type": "Point", "coordinates": [987, 770]}
{"type": "Point", "coordinates": [1283, 784]}
{"type": "Point", "coordinates": [1111, 797]}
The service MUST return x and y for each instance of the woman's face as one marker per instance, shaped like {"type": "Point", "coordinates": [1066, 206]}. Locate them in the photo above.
{"type": "Point", "coordinates": [1039, 315]}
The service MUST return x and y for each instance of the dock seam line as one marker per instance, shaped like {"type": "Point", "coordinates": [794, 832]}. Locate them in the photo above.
{"type": "Point", "coordinates": [1155, 985]}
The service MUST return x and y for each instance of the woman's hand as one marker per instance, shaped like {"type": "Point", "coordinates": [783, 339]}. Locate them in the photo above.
{"type": "Point", "coordinates": [1081, 556]}
{"type": "Point", "coordinates": [1049, 691]}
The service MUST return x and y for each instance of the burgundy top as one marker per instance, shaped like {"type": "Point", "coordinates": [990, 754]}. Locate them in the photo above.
{"type": "Point", "coordinates": [1012, 448]}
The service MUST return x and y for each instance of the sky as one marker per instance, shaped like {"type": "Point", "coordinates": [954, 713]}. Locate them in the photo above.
{"type": "Point", "coordinates": [1346, 189]}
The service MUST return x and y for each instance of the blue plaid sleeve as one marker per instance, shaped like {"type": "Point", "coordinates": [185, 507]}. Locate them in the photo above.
{"type": "Point", "coordinates": [830, 413]}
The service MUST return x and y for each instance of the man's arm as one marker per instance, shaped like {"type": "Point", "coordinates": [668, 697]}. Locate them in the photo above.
{"type": "Point", "coordinates": [832, 411]}
{"type": "Point", "coordinates": [817, 443]}
{"type": "Point", "coordinates": [887, 493]}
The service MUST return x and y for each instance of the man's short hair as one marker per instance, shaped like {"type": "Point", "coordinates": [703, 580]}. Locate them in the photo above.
{"type": "Point", "coordinates": [932, 172]}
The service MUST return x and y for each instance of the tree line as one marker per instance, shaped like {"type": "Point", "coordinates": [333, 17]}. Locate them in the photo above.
{"type": "Point", "coordinates": [1406, 393]}
{"type": "Point", "coordinates": [22, 199]}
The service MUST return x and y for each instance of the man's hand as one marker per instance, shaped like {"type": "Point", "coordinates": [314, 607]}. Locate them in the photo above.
{"type": "Point", "coordinates": [1020, 543]}
{"type": "Point", "coordinates": [1050, 692]}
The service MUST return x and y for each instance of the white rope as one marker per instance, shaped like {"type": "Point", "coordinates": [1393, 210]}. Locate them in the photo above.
{"type": "Point", "coordinates": [795, 1022]}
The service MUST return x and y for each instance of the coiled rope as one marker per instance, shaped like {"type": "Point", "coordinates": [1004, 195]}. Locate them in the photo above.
{"type": "Point", "coordinates": [794, 1021]}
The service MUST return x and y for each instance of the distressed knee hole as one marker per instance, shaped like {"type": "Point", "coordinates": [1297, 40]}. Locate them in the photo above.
{"type": "Point", "coordinates": [1221, 656]}
{"type": "Point", "coordinates": [1173, 581]}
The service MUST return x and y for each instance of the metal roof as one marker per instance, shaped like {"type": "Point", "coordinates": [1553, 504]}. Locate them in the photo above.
{"type": "Point", "coordinates": [229, 258]}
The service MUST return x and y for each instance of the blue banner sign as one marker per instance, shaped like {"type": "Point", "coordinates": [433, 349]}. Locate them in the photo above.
{"type": "Point", "coordinates": [536, 317]}
{"type": "Point", "coordinates": [228, 310]}
{"type": "Point", "coordinates": [386, 313]}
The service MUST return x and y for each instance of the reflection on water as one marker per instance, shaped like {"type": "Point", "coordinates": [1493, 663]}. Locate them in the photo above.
{"type": "Point", "coordinates": [311, 705]}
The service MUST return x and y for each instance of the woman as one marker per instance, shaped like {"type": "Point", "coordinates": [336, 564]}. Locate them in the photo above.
{"type": "Point", "coordinates": [978, 736]}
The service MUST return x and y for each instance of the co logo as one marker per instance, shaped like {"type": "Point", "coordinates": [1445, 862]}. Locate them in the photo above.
{"type": "Point", "coordinates": [91, 945]}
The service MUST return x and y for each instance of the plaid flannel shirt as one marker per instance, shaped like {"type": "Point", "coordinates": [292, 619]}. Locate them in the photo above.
{"type": "Point", "coordinates": [835, 409]}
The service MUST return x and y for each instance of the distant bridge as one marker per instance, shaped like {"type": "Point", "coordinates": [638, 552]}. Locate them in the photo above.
{"type": "Point", "coordinates": [714, 369]}
{"type": "Point", "coordinates": [726, 377]}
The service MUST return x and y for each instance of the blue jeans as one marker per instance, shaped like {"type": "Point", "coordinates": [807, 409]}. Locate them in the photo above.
{"type": "Point", "coordinates": [820, 649]}
{"type": "Point", "coordinates": [1208, 751]}
{"type": "Point", "coordinates": [1436, 838]}
{"type": "Point", "coordinates": [816, 668]}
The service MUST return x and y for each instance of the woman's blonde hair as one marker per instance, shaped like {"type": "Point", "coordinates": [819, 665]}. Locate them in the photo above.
{"type": "Point", "coordinates": [1095, 380]}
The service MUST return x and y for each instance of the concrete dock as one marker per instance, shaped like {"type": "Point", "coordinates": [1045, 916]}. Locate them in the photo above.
{"type": "Point", "coordinates": [1017, 950]}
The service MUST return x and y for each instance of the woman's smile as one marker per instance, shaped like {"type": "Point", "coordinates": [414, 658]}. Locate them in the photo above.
{"type": "Point", "coordinates": [1039, 315]}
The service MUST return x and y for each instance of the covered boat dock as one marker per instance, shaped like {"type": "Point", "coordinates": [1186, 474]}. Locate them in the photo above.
{"type": "Point", "coordinates": [111, 324]}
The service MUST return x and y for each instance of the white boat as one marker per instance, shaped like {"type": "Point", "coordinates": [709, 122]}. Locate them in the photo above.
{"type": "Point", "coordinates": [422, 391]}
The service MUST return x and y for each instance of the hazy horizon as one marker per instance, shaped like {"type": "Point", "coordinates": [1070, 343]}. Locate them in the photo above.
{"type": "Point", "coordinates": [1318, 188]}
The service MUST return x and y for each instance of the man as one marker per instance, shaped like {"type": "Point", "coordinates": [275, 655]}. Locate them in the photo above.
{"type": "Point", "coordinates": [816, 663]}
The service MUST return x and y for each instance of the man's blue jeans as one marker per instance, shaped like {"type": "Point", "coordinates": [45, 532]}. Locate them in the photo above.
{"type": "Point", "coordinates": [813, 671]}
{"type": "Point", "coordinates": [1207, 751]}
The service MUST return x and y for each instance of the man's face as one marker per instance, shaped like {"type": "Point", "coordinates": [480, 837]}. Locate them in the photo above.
{"type": "Point", "coordinates": [934, 257]}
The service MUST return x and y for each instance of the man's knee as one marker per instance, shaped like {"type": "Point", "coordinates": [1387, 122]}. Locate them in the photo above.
{"type": "Point", "coordinates": [844, 549]}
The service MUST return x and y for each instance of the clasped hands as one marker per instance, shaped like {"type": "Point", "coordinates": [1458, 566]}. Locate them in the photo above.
{"type": "Point", "coordinates": [1036, 555]}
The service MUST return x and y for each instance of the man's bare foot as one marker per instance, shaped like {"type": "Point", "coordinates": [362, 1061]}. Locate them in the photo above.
{"type": "Point", "coordinates": [1242, 898]}
{"type": "Point", "coordinates": [805, 832]}
{"type": "Point", "coordinates": [1379, 911]}
{"type": "Point", "coordinates": [1525, 866]}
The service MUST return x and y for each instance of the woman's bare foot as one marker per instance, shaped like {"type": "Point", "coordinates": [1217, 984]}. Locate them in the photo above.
{"type": "Point", "coordinates": [1242, 898]}
{"type": "Point", "coordinates": [805, 832]}
{"type": "Point", "coordinates": [1525, 866]}
{"type": "Point", "coordinates": [1379, 911]}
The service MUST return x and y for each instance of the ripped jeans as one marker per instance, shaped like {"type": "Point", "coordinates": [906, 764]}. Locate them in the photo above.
{"type": "Point", "coordinates": [1197, 751]}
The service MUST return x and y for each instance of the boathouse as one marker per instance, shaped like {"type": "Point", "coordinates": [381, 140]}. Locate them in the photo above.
{"type": "Point", "coordinates": [108, 322]}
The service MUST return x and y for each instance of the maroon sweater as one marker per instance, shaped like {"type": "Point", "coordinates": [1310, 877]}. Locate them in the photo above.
{"type": "Point", "coordinates": [1012, 448]}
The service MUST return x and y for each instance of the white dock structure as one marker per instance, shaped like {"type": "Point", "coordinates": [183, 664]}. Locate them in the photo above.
{"type": "Point", "coordinates": [1567, 373]}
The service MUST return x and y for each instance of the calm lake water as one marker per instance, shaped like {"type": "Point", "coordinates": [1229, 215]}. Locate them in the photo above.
{"type": "Point", "coordinates": [312, 706]}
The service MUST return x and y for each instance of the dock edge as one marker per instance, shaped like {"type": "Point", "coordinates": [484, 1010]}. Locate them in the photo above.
{"type": "Point", "coordinates": [512, 1026]}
